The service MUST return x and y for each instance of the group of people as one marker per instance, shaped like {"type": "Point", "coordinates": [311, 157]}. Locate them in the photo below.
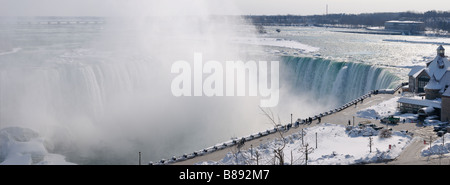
{"type": "Point", "coordinates": [308, 120]}
{"type": "Point", "coordinates": [299, 121]}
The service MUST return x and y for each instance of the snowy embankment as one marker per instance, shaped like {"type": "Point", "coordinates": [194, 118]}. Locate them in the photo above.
{"type": "Point", "coordinates": [336, 144]}
{"type": "Point", "coordinates": [23, 146]}
{"type": "Point", "coordinates": [277, 43]}
{"type": "Point", "coordinates": [423, 40]}
{"type": "Point", "coordinates": [437, 148]}
{"type": "Point", "coordinates": [383, 109]}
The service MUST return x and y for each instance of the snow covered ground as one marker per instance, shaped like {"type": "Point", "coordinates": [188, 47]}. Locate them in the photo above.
{"type": "Point", "coordinates": [437, 148]}
{"type": "Point", "coordinates": [335, 145]}
{"type": "Point", "coordinates": [423, 40]}
{"type": "Point", "coordinates": [278, 43]}
{"type": "Point", "coordinates": [387, 108]}
{"type": "Point", "coordinates": [383, 109]}
{"type": "Point", "coordinates": [22, 146]}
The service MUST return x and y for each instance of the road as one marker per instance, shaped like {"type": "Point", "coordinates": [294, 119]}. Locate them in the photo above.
{"type": "Point", "coordinates": [412, 154]}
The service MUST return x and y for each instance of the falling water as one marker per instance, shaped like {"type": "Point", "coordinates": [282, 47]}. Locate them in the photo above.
{"type": "Point", "coordinates": [326, 79]}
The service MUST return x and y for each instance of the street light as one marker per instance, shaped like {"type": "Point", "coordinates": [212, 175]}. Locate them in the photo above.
{"type": "Point", "coordinates": [353, 120]}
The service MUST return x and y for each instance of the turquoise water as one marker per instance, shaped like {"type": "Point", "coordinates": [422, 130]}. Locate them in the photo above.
{"type": "Point", "coordinates": [327, 79]}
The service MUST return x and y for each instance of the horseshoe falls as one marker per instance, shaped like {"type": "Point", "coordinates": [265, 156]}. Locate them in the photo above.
{"type": "Point", "coordinates": [333, 83]}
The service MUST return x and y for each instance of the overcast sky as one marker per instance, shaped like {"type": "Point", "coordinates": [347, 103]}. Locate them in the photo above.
{"type": "Point", "coordinates": [254, 7]}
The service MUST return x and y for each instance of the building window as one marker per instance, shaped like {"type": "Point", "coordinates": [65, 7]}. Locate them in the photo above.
{"type": "Point", "coordinates": [422, 82]}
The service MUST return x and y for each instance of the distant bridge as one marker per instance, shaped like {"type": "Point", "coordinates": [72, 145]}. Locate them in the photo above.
{"type": "Point", "coordinates": [57, 22]}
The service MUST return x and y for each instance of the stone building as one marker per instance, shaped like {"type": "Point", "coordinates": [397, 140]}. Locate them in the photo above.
{"type": "Point", "coordinates": [445, 111]}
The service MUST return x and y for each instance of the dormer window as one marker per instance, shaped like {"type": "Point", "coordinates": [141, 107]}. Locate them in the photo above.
{"type": "Point", "coordinates": [440, 63]}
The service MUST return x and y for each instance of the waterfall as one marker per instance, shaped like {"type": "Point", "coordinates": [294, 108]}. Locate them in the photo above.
{"type": "Point", "coordinates": [327, 79]}
{"type": "Point", "coordinates": [97, 99]}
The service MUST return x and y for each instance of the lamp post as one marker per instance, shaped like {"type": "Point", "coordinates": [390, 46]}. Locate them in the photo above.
{"type": "Point", "coordinates": [291, 118]}
{"type": "Point", "coordinates": [353, 120]}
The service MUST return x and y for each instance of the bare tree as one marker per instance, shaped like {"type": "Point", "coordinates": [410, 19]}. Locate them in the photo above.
{"type": "Point", "coordinates": [241, 158]}
{"type": "Point", "coordinates": [257, 157]}
{"type": "Point", "coordinates": [305, 150]}
{"type": "Point", "coordinates": [277, 151]}
{"type": "Point", "coordinates": [370, 143]}
{"type": "Point", "coordinates": [385, 133]}
{"type": "Point", "coordinates": [235, 151]}
{"type": "Point", "coordinates": [291, 158]}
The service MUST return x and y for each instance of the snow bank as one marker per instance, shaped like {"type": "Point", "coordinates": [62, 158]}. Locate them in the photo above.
{"type": "Point", "coordinates": [23, 146]}
{"type": "Point", "coordinates": [335, 145]}
{"type": "Point", "coordinates": [437, 148]}
{"type": "Point", "coordinates": [383, 109]}
{"type": "Point", "coordinates": [422, 40]}
{"type": "Point", "coordinates": [278, 43]}
{"type": "Point", "coordinates": [358, 132]}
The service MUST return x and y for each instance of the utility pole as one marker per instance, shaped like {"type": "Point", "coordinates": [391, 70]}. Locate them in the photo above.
{"type": "Point", "coordinates": [307, 152]}
{"type": "Point", "coordinates": [316, 140]}
{"type": "Point", "coordinates": [327, 10]}
{"type": "Point", "coordinates": [302, 137]}
{"type": "Point", "coordinates": [430, 141]}
{"type": "Point", "coordinates": [291, 157]}
{"type": "Point", "coordinates": [139, 158]}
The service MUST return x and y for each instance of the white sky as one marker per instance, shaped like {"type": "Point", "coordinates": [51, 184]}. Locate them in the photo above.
{"type": "Point", "coordinates": [254, 7]}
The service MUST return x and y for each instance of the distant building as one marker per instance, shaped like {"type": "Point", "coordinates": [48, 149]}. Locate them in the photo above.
{"type": "Point", "coordinates": [406, 27]}
{"type": "Point", "coordinates": [432, 81]}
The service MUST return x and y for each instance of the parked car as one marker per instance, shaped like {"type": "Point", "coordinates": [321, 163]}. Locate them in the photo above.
{"type": "Point", "coordinates": [377, 128]}
{"type": "Point", "coordinates": [441, 133]}
{"type": "Point", "coordinates": [437, 128]}
{"type": "Point", "coordinates": [390, 119]}
{"type": "Point", "coordinates": [441, 126]}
